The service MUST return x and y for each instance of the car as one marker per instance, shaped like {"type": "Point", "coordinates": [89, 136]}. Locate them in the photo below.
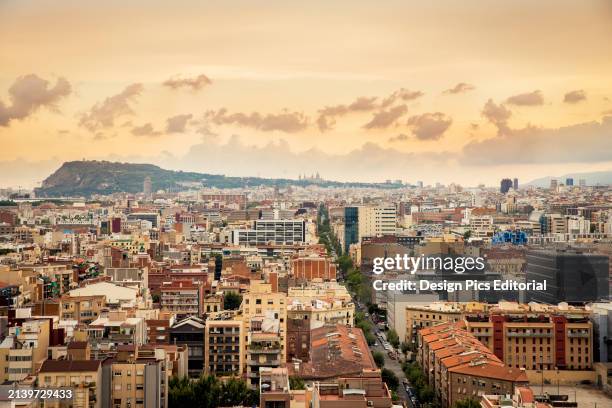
{"type": "Point", "coordinates": [375, 344]}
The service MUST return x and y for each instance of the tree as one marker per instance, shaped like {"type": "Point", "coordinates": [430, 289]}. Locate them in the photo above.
{"type": "Point", "coordinates": [156, 298]}
{"type": "Point", "coordinates": [393, 338]}
{"type": "Point", "coordinates": [208, 392]}
{"type": "Point", "coordinates": [232, 301]}
{"type": "Point", "coordinates": [469, 402]}
{"type": "Point", "coordinates": [296, 383]}
{"type": "Point", "coordinates": [389, 378]}
{"type": "Point", "coordinates": [405, 347]}
{"type": "Point", "coordinates": [379, 359]}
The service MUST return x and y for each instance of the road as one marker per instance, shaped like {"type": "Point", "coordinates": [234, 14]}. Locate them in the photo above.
{"type": "Point", "coordinates": [394, 366]}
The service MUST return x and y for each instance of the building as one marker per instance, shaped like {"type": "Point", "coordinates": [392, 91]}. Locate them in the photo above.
{"type": "Point", "coordinates": [189, 332]}
{"type": "Point", "coordinates": [360, 391]}
{"type": "Point", "coordinates": [274, 388]}
{"type": "Point", "coordinates": [421, 315]}
{"type": "Point", "coordinates": [260, 302]}
{"type": "Point", "coordinates": [515, 184]}
{"type": "Point", "coordinates": [264, 349]}
{"type": "Point", "coordinates": [505, 185]}
{"type": "Point", "coordinates": [335, 352]}
{"type": "Point", "coordinates": [84, 377]}
{"type": "Point", "coordinates": [351, 227]}
{"type": "Point", "coordinates": [182, 297]}
{"type": "Point", "coordinates": [307, 268]}
{"type": "Point", "coordinates": [147, 187]}
{"type": "Point", "coordinates": [570, 275]}
{"type": "Point", "coordinates": [136, 378]}
{"type": "Point", "coordinates": [223, 342]}
{"type": "Point", "coordinates": [377, 221]}
{"type": "Point", "coordinates": [535, 336]}
{"type": "Point", "coordinates": [83, 309]}
{"type": "Point", "coordinates": [458, 366]}
{"type": "Point", "coordinates": [279, 232]}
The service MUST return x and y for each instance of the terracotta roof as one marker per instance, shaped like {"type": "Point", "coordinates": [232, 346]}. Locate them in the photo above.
{"type": "Point", "coordinates": [491, 370]}
{"type": "Point", "coordinates": [59, 366]}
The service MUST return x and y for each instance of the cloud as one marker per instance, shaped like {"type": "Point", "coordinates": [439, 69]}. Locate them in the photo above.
{"type": "Point", "coordinates": [575, 96]}
{"type": "Point", "coordinates": [399, 138]}
{"type": "Point", "coordinates": [288, 122]}
{"type": "Point", "coordinates": [429, 126]}
{"type": "Point", "coordinates": [461, 87]}
{"type": "Point", "coordinates": [581, 143]}
{"type": "Point", "coordinates": [497, 115]}
{"type": "Point", "coordinates": [534, 98]}
{"type": "Point", "coordinates": [195, 83]}
{"type": "Point", "coordinates": [385, 118]}
{"type": "Point", "coordinates": [327, 115]}
{"type": "Point", "coordinates": [30, 93]}
{"type": "Point", "coordinates": [103, 114]}
{"type": "Point", "coordinates": [178, 123]}
{"type": "Point", "coordinates": [403, 95]}
{"type": "Point", "coordinates": [145, 130]}
{"type": "Point", "coordinates": [369, 162]}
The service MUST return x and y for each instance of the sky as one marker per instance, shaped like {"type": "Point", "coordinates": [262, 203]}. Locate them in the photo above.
{"type": "Point", "coordinates": [467, 92]}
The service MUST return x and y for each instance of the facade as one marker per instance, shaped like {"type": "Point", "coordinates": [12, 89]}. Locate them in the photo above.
{"type": "Point", "coordinates": [351, 227]}
{"type": "Point", "coordinates": [571, 276]}
{"type": "Point", "coordinates": [83, 309]}
{"type": "Point", "coordinates": [307, 268]}
{"type": "Point", "coordinates": [189, 332]}
{"type": "Point", "coordinates": [536, 337]}
{"type": "Point", "coordinates": [83, 376]}
{"type": "Point", "coordinates": [223, 342]}
{"type": "Point", "coordinates": [279, 232]}
{"type": "Point", "coordinates": [181, 297]}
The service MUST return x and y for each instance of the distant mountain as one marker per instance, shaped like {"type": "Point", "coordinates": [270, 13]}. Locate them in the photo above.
{"type": "Point", "coordinates": [592, 179]}
{"type": "Point", "coordinates": [84, 178]}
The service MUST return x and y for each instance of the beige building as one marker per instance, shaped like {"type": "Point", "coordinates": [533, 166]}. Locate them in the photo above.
{"type": "Point", "coordinates": [83, 309]}
{"type": "Point", "coordinates": [24, 350]}
{"type": "Point", "coordinates": [256, 304]}
{"type": "Point", "coordinates": [84, 377]}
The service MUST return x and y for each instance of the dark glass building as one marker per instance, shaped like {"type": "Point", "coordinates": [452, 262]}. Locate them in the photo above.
{"type": "Point", "coordinates": [351, 227]}
{"type": "Point", "coordinates": [505, 185]}
{"type": "Point", "coordinates": [570, 275]}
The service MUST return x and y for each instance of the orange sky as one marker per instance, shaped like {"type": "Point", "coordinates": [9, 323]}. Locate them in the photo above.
{"type": "Point", "coordinates": [406, 90]}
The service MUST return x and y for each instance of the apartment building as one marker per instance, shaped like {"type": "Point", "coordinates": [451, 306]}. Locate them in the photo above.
{"type": "Point", "coordinates": [458, 366]}
{"type": "Point", "coordinates": [223, 342]}
{"type": "Point", "coordinates": [84, 377]}
{"type": "Point", "coordinates": [83, 309]}
{"type": "Point", "coordinates": [136, 378]}
{"type": "Point", "coordinates": [264, 348]}
{"type": "Point", "coordinates": [182, 297]}
{"type": "Point", "coordinates": [24, 350]}
{"type": "Point", "coordinates": [115, 328]}
{"type": "Point", "coordinates": [536, 336]}
{"type": "Point", "coordinates": [189, 333]}
{"type": "Point", "coordinates": [260, 302]}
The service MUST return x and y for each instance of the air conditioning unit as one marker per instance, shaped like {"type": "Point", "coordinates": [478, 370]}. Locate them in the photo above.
{"type": "Point", "coordinates": [370, 403]}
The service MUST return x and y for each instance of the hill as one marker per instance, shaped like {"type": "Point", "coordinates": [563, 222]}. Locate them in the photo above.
{"type": "Point", "coordinates": [592, 179]}
{"type": "Point", "coordinates": [85, 178]}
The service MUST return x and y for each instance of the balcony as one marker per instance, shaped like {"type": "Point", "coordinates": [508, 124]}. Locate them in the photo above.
{"type": "Point", "coordinates": [513, 334]}
{"type": "Point", "coordinates": [582, 335]}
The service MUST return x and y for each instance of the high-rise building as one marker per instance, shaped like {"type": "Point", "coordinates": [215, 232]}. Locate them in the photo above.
{"type": "Point", "coordinates": [505, 185]}
{"type": "Point", "coordinates": [515, 184]}
{"type": "Point", "coordinates": [147, 186]}
{"type": "Point", "coordinates": [569, 181]}
{"type": "Point", "coordinates": [376, 221]}
{"type": "Point", "coordinates": [553, 184]}
{"type": "Point", "coordinates": [571, 276]}
{"type": "Point", "coordinates": [582, 182]}
{"type": "Point", "coordinates": [223, 341]}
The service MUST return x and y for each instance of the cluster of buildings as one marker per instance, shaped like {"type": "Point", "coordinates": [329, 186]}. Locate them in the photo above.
{"type": "Point", "coordinates": [115, 295]}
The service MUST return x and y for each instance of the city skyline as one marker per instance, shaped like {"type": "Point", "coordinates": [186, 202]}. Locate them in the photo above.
{"type": "Point", "coordinates": [439, 93]}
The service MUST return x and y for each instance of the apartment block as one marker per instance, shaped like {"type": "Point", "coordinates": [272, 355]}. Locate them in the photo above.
{"type": "Point", "coordinates": [223, 342]}
{"type": "Point", "coordinates": [536, 336]}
